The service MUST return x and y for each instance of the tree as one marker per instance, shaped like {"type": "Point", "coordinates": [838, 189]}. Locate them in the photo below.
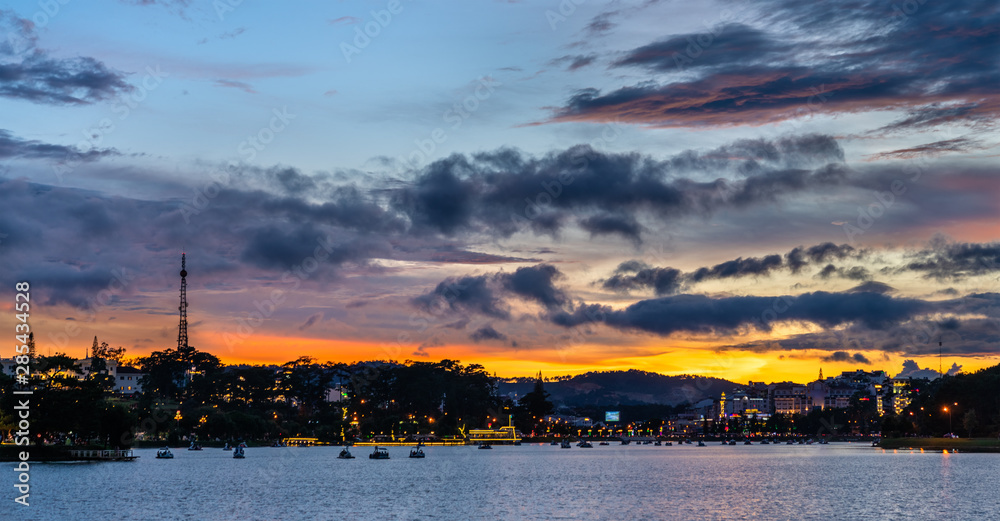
{"type": "Point", "coordinates": [57, 370]}
{"type": "Point", "coordinates": [32, 354]}
{"type": "Point", "coordinates": [536, 404]}
{"type": "Point", "coordinates": [108, 353]}
{"type": "Point", "coordinates": [166, 372]}
{"type": "Point", "coordinates": [970, 422]}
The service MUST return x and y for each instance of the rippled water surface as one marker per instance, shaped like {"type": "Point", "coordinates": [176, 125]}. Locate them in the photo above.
{"type": "Point", "coordinates": [836, 481]}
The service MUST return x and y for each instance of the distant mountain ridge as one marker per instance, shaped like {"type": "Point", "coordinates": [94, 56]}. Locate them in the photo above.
{"type": "Point", "coordinates": [632, 387]}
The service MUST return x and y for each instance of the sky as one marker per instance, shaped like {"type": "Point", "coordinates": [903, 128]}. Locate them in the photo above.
{"type": "Point", "coordinates": [747, 190]}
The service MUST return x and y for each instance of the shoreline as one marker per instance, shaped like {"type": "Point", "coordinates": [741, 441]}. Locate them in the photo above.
{"type": "Point", "coordinates": [941, 444]}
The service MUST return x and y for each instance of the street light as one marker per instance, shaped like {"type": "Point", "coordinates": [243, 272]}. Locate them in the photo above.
{"type": "Point", "coordinates": [947, 410]}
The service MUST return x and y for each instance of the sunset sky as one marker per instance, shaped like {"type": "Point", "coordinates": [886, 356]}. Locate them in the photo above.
{"type": "Point", "coordinates": [747, 190]}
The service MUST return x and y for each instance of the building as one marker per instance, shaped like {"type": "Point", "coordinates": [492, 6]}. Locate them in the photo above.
{"type": "Point", "coordinates": [790, 398]}
{"type": "Point", "coordinates": [8, 366]}
{"type": "Point", "coordinates": [573, 421]}
{"type": "Point", "coordinates": [129, 380]}
{"type": "Point", "coordinates": [901, 389]}
{"type": "Point", "coordinates": [739, 404]}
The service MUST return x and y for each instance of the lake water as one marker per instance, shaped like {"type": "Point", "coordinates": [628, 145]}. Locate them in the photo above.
{"type": "Point", "coordinates": [836, 481]}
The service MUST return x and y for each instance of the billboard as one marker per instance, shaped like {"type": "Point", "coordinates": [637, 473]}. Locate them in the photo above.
{"type": "Point", "coordinates": [612, 416]}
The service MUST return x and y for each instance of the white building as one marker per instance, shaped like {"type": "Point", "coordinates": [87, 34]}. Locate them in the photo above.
{"type": "Point", "coordinates": [128, 380]}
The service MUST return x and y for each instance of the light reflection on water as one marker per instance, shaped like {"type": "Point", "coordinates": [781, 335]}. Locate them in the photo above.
{"type": "Point", "coordinates": [836, 481]}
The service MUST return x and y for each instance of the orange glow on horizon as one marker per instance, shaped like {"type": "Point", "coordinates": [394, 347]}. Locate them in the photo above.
{"type": "Point", "coordinates": [693, 355]}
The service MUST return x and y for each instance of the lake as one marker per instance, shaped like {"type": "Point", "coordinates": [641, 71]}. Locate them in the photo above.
{"type": "Point", "coordinates": [835, 481]}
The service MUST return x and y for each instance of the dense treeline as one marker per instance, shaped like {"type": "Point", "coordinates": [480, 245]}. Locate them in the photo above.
{"type": "Point", "coordinates": [967, 405]}
{"type": "Point", "coordinates": [189, 393]}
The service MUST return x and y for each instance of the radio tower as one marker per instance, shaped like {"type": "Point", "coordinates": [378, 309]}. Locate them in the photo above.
{"type": "Point", "coordinates": [182, 331]}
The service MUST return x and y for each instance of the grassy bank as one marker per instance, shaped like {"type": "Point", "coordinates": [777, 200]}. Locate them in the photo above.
{"type": "Point", "coordinates": [940, 444]}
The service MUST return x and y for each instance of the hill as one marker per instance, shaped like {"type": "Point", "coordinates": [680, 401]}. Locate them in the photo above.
{"type": "Point", "coordinates": [632, 387]}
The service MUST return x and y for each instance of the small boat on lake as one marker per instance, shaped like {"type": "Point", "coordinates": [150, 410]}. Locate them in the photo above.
{"type": "Point", "coordinates": [417, 452]}
{"type": "Point", "coordinates": [566, 444]}
{"type": "Point", "coordinates": [586, 445]}
{"type": "Point", "coordinates": [604, 443]}
{"type": "Point", "coordinates": [554, 442]}
{"type": "Point", "coordinates": [701, 443]}
{"type": "Point", "coordinates": [747, 442]}
{"type": "Point", "coordinates": [345, 454]}
{"type": "Point", "coordinates": [379, 453]}
{"type": "Point", "coordinates": [226, 446]}
{"type": "Point", "coordinates": [485, 446]}
{"type": "Point", "coordinates": [732, 442]}
{"type": "Point", "coordinates": [194, 446]}
{"type": "Point", "coordinates": [668, 444]}
{"type": "Point", "coordinates": [164, 453]}
{"type": "Point", "coordinates": [238, 453]}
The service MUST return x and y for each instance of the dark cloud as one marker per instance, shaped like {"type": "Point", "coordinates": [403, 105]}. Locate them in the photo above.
{"type": "Point", "coordinates": [943, 259]}
{"type": "Point", "coordinates": [472, 294]}
{"type": "Point", "coordinates": [702, 314]}
{"type": "Point", "coordinates": [609, 224]}
{"type": "Point", "coordinates": [293, 181]}
{"type": "Point", "coordinates": [235, 84]}
{"type": "Point", "coordinates": [440, 199]}
{"type": "Point", "coordinates": [283, 247]}
{"type": "Point", "coordinates": [487, 333]}
{"type": "Point", "coordinates": [504, 192]}
{"type": "Point", "coordinates": [872, 286]}
{"type": "Point", "coordinates": [29, 73]}
{"type": "Point", "coordinates": [537, 283]}
{"type": "Point", "coordinates": [727, 45]}
{"type": "Point", "coordinates": [918, 336]}
{"type": "Point", "coordinates": [799, 257]}
{"type": "Point", "coordinates": [632, 275]}
{"type": "Point", "coordinates": [961, 144]}
{"type": "Point", "coordinates": [844, 356]}
{"type": "Point", "coordinates": [315, 317]}
{"type": "Point", "coordinates": [602, 23]}
{"type": "Point", "coordinates": [487, 294]}
{"type": "Point", "coordinates": [574, 61]}
{"type": "Point", "coordinates": [852, 273]}
{"type": "Point", "coordinates": [936, 114]}
{"type": "Point", "coordinates": [935, 58]}
{"type": "Point", "coordinates": [739, 267]}
{"type": "Point", "coordinates": [14, 147]}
